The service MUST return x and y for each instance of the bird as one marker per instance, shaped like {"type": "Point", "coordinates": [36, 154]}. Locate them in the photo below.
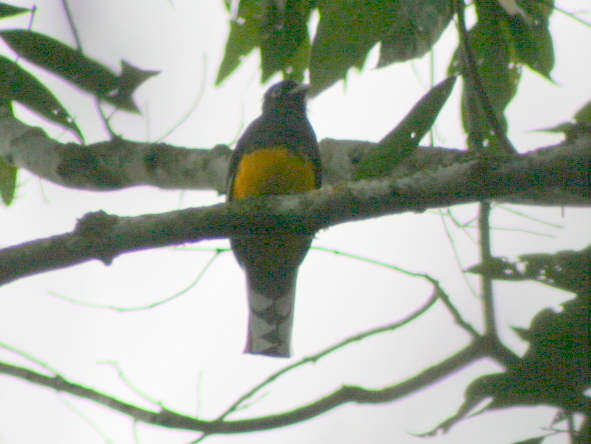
{"type": "Point", "coordinates": [277, 154]}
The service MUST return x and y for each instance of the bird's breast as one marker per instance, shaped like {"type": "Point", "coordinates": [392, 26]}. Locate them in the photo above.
{"type": "Point", "coordinates": [273, 170]}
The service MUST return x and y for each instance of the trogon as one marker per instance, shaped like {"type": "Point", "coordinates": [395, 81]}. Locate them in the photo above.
{"type": "Point", "coordinates": [277, 154]}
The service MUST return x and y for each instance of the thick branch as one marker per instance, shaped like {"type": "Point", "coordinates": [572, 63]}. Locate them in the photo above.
{"type": "Point", "coordinates": [103, 237]}
{"type": "Point", "coordinates": [121, 163]}
{"type": "Point", "coordinates": [344, 395]}
{"type": "Point", "coordinates": [111, 165]}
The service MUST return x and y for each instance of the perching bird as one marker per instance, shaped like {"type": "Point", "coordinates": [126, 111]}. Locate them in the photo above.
{"type": "Point", "coordinates": [277, 154]}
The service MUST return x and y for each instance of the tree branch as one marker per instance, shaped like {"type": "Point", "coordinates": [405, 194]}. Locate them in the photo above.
{"type": "Point", "coordinates": [104, 237]}
{"type": "Point", "coordinates": [119, 163]}
{"type": "Point", "coordinates": [345, 394]}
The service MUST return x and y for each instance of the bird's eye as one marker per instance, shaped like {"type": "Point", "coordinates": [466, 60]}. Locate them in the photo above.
{"type": "Point", "coordinates": [276, 92]}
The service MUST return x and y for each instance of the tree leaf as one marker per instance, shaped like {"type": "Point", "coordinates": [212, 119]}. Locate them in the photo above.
{"type": "Point", "coordinates": [530, 35]}
{"type": "Point", "coordinates": [536, 440]}
{"type": "Point", "coordinates": [8, 10]}
{"type": "Point", "coordinates": [17, 84]}
{"type": "Point", "coordinates": [499, 78]}
{"type": "Point", "coordinates": [283, 31]}
{"type": "Point", "coordinates": [584, 114]}
{"type": "Point", "coordinates": [498, 268]}
{"type": "Point", "coordinates": [244, 37]}
{"type": "Point", "coordinates": [8, 175]}
{"type": "Point", "coordinates": [403, 139]}
{"type": "Point", "coordinates": [567, 270]}
{"type": "Point", "coordinates": [417, 27]}
{"type": "Point", "coordinates": [68, 63]}
{"type": "Point", "coordinates": [556, 369]}
{"type": "Point", "coordinates": [298, 62]}
{"type": "Point", "coordinates": [130, 79]}
{"type": "Point", "coordinates": [346, 32]}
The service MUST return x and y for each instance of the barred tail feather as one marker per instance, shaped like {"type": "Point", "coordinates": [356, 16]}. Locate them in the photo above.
{"type": "Point", "coordinates": [270, 323]}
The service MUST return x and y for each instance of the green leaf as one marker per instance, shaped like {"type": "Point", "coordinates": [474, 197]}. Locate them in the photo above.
{"type": "Point", "coordinates": [417, 27]}
{"type": "Point", "coordinates": [68, 63]}
{"type": "Point", "coordinates": [8, 10]}
{"type": "Point", "coordinates": [129, 80]}
{"type": "Point", "coordinates": [564, 127]}
{"type": "Point", "coordinates": [567, 270]}
{"type": "Point", "coordinates": [536, 440]}
{"type": "Point", "coordinates": [283, 31]}
{"type": "Point", "coordinates": [7, 182]}
{"type": "Point", "coordinates": [17, 84]}
{"type": "Point", "coordinates": [347, 30]}
{"type": "Point", "coordinates": [298, 62]}
{"type": "Point", "coordinates": [584, 114]}
{"type": "Point", "coordinates": [533, 45]}
{"type": "Point", "coordinates": [244, 37]}
{"type": "Point", "coordinates": [582, 125]}
{"type": "Point", "coordinates": [497, 268]}
{"type": "Point", "coordinates": [530, 35]}
{"type": "Point", "coordinates": [555, 369]}
{"type": "Point", "coordinates": [499, 78]}
{"type": "Point", "coordinates": [403, 139]}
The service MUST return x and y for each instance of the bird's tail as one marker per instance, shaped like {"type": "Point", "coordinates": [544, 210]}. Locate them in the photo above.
{"type": "Point", "coordinates": [270, 322]}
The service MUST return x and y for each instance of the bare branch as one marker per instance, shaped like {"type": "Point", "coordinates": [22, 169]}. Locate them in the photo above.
{"type": "Point", "coordinates": [119, 163]}
{"type": "Point", "coordinates": [104, 237]}
{"type": "Point", "coordinates": [486, 281]}
{"type": "Point", "coordinates": [345, 394]}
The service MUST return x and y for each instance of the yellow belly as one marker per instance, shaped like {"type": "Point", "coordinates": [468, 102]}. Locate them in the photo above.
{"type": "Point", "coordinates": [274, 170]}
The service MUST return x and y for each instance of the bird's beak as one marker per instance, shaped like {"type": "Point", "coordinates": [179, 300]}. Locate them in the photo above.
{"type": "Point", "coordinates": [301, 89]}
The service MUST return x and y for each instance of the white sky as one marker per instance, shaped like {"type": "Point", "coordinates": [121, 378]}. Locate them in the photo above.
{"type": "Point", "coordinates": [187, 353]}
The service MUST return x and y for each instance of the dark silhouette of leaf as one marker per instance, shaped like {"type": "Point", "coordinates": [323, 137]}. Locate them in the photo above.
{"type": "Point", "coordinates": [403, 139]}
{"type": "Point", "coordinates": [584, 114]}
{"type": "Point", "coordinates": [531, 38]}
{"type": "Point", "coordinates": [17, 84]}
{"type": "Point", "coordinates": [283, 32]}
{"type": "Point", "coordinates": [70, 64]}
{"type": "Point", "coordinates": [244, 37]}
{"type": "Point", "coordinates": [556, 368]}
{"type": "Point", "coordinates": [129, 80]}
{"type": "Point", "coordinates": [567, 270]}
{"type": "Point", "coordinates": [346, 32]}
{"type": "Point", "coordinates": [417, 27]}
{"type": "Point", "coordinates": [8, 10]}
{"type": "Point", "coordinates": [499, 77]}
{"type": "Point", "coordinates": [536, 440]}
{"type": "Point", "coordinates": [7, 182]}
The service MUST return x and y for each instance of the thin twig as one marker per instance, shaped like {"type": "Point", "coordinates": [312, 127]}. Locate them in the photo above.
{"type": "Point", "coordinates": [29, 357]}
{"type": "Point", "coordinates": [148, 306]}
{"type": "Point", "coordinates": [456, 314]}
{"type": "Point", "coordinates": [497, 349]}
{"type": "Point", "coordinates": [80, 49]}
{"type": "Point", "coordinates": [454, 249]}
{"type": "Point", "coordinates": [131, 385]}
{"type": "Point", "coordinates": [191, 108]}
{"type": "Point", "coordinates": [343, 395]}
{"type": "Point", "coordinates": [314, 358]}
{"type": "Point", "coordinates": [72, 24]}
{"type": "Point", "coordinates": [372, 261]}
{"type": "Point", "coordinates": [85, 418]}
{"type": "Point", "coordinates": [486, 257]}
{"type": "Point", "coordinates": [571, 427]}
{"type": "Point", "coordinates": [473, 76]}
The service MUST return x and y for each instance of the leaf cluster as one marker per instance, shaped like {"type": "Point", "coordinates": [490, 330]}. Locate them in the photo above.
{"type": "Point", "coordinates": [71, 65]}
{"type": "Point", "coordinates": [346, 32]}
{"type": "Point", "coordinates": [556, 368]}
{"type": "Point", "coordinates": [506, 36]}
